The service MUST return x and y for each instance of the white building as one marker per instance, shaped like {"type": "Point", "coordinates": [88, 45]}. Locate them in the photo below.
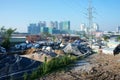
{"type": "Point", "coordinates": [83, 27]}
{"type": "Point", "coordinates": [95, 27]}
{"type": "Point", "coordinates": [118, 29]}
{"type": "Point", "coordinates": [53, 24]}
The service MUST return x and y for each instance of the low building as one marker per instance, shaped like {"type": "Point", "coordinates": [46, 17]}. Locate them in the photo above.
{"type": "Point", "coordinates": [17, 39]}
{"type": "Point", "coordinates": [33, 38]}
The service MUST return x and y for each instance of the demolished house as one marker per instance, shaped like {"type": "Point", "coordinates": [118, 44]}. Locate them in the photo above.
{"type": "Point", "coordinates": [78, 49]}
{"type": "Point", "coordinates": [72, 49]}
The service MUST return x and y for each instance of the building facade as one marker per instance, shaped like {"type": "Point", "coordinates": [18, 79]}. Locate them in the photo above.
{"type": "Point", "coordinates": [44, 30]}
{"type": "Point", "coordinates": [95, 27]}
{"type": "Point", "coordinates": [53, 28]}
{"type": "Point", "coordinates": [118, 29]}
{"type": "Point", "coordinates": [53, 24]}
{"type": "Point", "coordinates": [64, 25]}
{"type": "Point", "coordinates": [33, 29]}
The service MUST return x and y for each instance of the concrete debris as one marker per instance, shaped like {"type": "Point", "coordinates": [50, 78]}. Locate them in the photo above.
{"type": "Point", "coordinates": [77, 48]}
{"type": "Point", "coordinates": [72, 49]}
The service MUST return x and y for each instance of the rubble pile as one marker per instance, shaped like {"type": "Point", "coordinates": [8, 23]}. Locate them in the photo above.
{"type": "Point", "coordinates": [78, 48]}
{"type": "Point", "coordinates": [15, 65]}
{"type": "Point", "coordinates": [40, 56]}
{"type": "Point", "coordinates": [31, 55]}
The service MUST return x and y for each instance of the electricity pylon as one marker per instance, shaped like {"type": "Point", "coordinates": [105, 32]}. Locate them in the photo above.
{"type": "Point", "coordinates": [90, 16]}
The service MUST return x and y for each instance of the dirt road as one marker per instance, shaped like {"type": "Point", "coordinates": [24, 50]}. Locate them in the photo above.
{"type": "Point", "coordinates": [94, 67]}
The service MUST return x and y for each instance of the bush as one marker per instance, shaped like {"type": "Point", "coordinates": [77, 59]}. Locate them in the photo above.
{"type": "Point", "coordinates": [34, 75]}
{"type": "Point", "coordinates": [25, 76]}
{"type": "Point", "coordinates": [52, 65]}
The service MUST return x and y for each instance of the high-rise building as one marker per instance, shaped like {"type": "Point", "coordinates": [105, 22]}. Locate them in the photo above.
{"type": "Point", "coordinates": [95, 27]}
{"type": "Point", "coordinates": [82, 27]}
{"type": "Point", "coordinates": [56, 25]}
{"type": "Point", "coordinates": [44, 30]}
{"type": "Point", "coordinates": [53, 25]}
{"type": "Point", "coordinates": [54, 31]}
{"type": "Point", "coordinates": [64, 25]}
{"type": "Point", "coordinates": [118, 29]}
{"type": "Point", "coordinates": [42, 24]}
{"type": "Point", "coordinates": [60, 26]}
{"type": "Point", "coordinates": [33, 29]}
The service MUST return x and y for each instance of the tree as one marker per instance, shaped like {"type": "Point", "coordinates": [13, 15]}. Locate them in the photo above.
{"type": "Point", "coordinates": [106, 37]}
{"type": "Point", "coordinates": [6, 35]}
{"type": "Point", "coordinates": [118, 38]}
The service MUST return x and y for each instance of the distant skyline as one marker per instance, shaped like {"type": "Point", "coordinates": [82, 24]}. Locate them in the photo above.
{"type": "Point", "coordinates": [20, 13]}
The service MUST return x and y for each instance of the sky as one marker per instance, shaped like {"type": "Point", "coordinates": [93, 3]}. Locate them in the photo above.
{"type": "Point", "coordinates": [20, 13]}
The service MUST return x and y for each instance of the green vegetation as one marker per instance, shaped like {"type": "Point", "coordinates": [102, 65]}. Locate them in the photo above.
{"type": "Point", "coordinates": [47, 67]}
{"type": "Point", "coordinates": [25, 76]}
{"type": "Point", "coordinates": [5, 35]}
{"type": "Point", "coordinates": [118, 38]}
{"type": "Point", "coordinates": [106, 37]}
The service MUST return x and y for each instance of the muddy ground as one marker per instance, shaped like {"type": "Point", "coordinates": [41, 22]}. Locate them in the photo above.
{"type": "Point", "coordinates": [94, 67]}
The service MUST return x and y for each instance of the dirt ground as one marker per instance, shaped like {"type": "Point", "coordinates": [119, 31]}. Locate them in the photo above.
{"type": "Point", "coordinates": [98, 67]}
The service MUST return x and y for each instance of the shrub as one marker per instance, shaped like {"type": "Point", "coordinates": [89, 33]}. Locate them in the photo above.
{"type": "Point", "coordinates": [52, 65]}
{"type": "Point", "coordinates": [25, 76]}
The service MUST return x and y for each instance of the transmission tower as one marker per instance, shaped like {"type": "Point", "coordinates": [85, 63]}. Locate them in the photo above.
{"type": "Point", "coordinates": [90, 21]}
{"type": "Point", "coordinates": [90, 16]}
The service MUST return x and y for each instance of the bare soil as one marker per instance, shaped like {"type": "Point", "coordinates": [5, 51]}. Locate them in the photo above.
{"type": "Point", "coordinates": [98, 67]}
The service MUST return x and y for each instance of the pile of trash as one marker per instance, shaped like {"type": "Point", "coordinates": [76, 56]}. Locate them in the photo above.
{"type": "Point", "coordinates": [35, 54]}
{"type": "Point", "coordinates": [2, 49]}
{"type": "Point", "coordinates": [73, 49]}
{"type": "Point", "coordinates": [51, 50]}
{"type": "Point", "coordinates": [78, 48]}
{"type": "Point", "coordinates": [40, 44]}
